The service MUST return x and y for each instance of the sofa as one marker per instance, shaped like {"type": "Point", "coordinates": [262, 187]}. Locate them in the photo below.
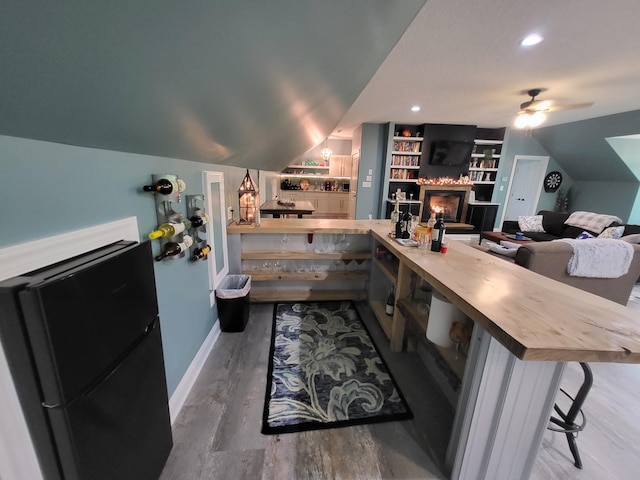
{"type": "Point", "coordinates": [551, 259]}
{"type": "Point", "coordinates": [555, 227]}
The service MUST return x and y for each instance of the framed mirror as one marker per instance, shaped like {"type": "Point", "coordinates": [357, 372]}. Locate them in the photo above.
{"type": "Point", "coordinates": [218, 259]}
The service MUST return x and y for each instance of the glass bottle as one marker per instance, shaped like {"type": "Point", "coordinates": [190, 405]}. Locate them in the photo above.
{"type": "Point", "coordinates": [168, 230]}
{"type": "Point", "coordinates": [199, 220]}
{"type": "Point", "coordinates": [166, 186]}
{"type": "Point", "coordinates": [391, 302]}
{"type": "Point", "coordinates": [171, 249]}
{"type": "Point", "coordinates": [395, 216]}
{"type": "Point", "coordinates": [406, 222]}
{"type": "Point", "coordinates": [438, 233]}
{"type": "Point", "coordinates": [200, 253]}
{"type": "Point", "coordinates": [430, 223]}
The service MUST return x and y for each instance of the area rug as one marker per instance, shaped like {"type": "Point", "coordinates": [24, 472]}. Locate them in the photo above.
{"type": "Point", "coordinates": [325, 371]}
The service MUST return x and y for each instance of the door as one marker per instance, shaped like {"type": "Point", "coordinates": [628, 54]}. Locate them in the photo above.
{"type": "Point", "coordinates": [525, 186]}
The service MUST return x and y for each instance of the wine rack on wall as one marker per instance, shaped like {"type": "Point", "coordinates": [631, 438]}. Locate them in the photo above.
{"type": "Point", "coordinates": [166, 213]}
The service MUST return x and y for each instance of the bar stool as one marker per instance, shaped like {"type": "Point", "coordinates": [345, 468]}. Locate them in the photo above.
{"type": "Point", "coordinates": [566, 422]}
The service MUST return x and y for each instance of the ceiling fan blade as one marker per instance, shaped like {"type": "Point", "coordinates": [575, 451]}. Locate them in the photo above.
{"type": "Point", "coordinates": [555, 108]}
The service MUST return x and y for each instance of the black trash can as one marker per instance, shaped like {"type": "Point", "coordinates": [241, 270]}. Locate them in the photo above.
{"type": "Point", "coordinates": [232, 297]}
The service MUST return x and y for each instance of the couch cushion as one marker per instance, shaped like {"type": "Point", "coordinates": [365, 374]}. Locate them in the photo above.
{"type": "Point", "coordinates": [631, 229]}
{"type": "Point", "coordinates": [531, 223]}
{"type": "Point", "coordinates": [612, 232]}
{"type": "Point", "coordinates": [553, 222]}
{"type": "Point", "coordinates": [593, 222]}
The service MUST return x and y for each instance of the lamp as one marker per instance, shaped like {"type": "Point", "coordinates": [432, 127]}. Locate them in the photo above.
{"type": "Point", "coordinates": [529, 120]}
{"type": "Point", "coordinates": [326, 152]}
{"type": "Point", "coordinates": [249, 201]}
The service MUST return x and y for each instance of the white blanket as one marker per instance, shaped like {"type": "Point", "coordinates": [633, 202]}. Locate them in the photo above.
{"type": "Point", "coordinates": [599, 257]}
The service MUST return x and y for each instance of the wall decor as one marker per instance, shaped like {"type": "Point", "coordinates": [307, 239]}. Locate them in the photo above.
{"type": "Point", "coordinates": [552, 181]}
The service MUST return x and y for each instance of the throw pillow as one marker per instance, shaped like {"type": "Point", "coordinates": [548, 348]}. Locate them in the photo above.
{"type": "Point", "coordinates": [633, 238]}
{"type": "Point", "coordinates": [532, 223]}
{"type": "Point", "coordinates": [584, 236]}
{"type": "Point", "coordinates": [594, 222]}
{"type": "Point", "coordinates": [612, 232]}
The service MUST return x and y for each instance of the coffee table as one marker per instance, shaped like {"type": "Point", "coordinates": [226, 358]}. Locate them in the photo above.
{"type": "Point", "coordinates": [497, 236]}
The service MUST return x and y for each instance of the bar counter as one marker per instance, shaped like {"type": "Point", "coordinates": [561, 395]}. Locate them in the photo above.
{"type": "Point", "coordinates": [534, 317]}
{"type": "Point", "coordinates": [526, 327]}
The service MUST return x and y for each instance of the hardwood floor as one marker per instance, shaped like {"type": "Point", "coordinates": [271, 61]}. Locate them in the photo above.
{"type": "Point", "coordinates": [217, 434]}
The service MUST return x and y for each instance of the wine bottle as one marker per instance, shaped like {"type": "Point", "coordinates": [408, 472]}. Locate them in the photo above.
{"type": "Point", "coordinates": [168, 230]}
{"type": "Point", "coordinates": [166, 186]}
{"type": "Point", "coordinates": [406, 221]}
{"type": "Point", "coordinates": [200, 253]}
{"type": "Point", "coordinates": [438, 234]}
{"type": "Point", "coordinates": [399, 226]}
{"type": "Point", "coordinates": [391, 302]}
{"type": "Point", "coordinates": [199, 220]}
{"type": "Point", "coordinates": [171, 249]}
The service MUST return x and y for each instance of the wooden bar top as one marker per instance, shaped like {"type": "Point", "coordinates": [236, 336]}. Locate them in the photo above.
{"type": "Point", "coordinates": [534, 317]}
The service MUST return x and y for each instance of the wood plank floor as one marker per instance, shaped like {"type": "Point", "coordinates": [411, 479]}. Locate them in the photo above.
{"type": "Point", "coordinates": [217, 434]}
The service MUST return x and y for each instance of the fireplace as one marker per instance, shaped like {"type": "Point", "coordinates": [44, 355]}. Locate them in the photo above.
{"type": "Point", "coordinates": [452, 200]}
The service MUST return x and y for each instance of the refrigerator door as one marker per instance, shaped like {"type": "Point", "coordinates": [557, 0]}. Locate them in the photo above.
{"type": "Point", "coordinates": [121, 428]}
{"type": "Point", "coordinates": [82, 322]}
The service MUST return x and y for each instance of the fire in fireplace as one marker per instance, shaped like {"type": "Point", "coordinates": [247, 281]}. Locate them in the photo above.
{"type": "Point", "coordinates": [448, 202]}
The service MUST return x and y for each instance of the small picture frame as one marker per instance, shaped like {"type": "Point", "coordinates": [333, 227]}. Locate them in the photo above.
{"type": "Point", "coordinates": [402, 196]}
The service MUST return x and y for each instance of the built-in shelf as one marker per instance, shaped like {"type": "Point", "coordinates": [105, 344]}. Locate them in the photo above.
{"type": "Point", "coordinates": [268, 275]}
{"type": "Point", "coordinates": [482, 141]}
{"type": "Point", "coordinates": [265, 294]}
{"type": "Point", "coordinates": [303, 255]}
{"type": "Point", "coordinates": [311, 176]}
{"type": "Point", "coordinates": [384, 320]}
{"type": "Point", "coordinates": [389, 268]}
{"type": "Point", "coordinates": [404, 180]}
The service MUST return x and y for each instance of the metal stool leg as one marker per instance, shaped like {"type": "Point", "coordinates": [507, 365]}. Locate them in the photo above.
{"type": "Point", "coordinates": [567, 421]}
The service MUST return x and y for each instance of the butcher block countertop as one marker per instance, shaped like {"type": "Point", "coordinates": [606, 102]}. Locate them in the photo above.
{"type": "Point", "coordinates": [534, 317]}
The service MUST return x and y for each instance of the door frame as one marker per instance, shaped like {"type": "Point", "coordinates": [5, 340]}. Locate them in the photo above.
{"type": "Point", "coordinates": [542, 170]}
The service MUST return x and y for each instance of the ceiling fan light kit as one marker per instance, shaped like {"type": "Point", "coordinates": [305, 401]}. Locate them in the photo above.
{"type": "Point", "coordinates": [532, 112]}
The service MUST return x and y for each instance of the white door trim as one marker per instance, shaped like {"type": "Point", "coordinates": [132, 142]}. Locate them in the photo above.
{"type": "Point", "coordinates": [544, 162]}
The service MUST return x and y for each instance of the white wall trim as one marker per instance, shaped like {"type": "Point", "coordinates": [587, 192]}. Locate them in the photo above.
{"type": "Point", "coordinates": [181, 392]}
{"type": "Point", "coordinates": [17, 456]}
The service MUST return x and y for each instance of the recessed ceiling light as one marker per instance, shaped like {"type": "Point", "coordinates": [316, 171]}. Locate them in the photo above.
{"type": "Point", "coordinates": [532, 39]}
{"type": "Point", "coordinates": [415, 108]}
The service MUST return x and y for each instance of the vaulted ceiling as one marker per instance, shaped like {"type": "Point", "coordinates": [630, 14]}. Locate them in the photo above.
{"type": "Point", "coordinates": [256, 83]}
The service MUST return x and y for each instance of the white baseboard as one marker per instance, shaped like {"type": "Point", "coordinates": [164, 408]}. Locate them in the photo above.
{"type": "Point", "coordinates": [191, 375]}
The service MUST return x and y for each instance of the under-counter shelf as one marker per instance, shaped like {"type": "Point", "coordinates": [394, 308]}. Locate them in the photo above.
{"type": "Point", "coordinates": [264, 294]}
{"type": "Point", "coordinates": [450, 360]}
{"type": "Point", "coordinates": [389, 268]}
{"type": "Point", "coordinates": [385, 321]}
{"type": "Point", "coordinates": [268, 275]}
{"type": "Point", "coordinates": [303, 255]}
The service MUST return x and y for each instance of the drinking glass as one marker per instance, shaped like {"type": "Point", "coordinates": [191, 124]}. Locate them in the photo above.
{"type": "Point", "coordinates": [283, 242]}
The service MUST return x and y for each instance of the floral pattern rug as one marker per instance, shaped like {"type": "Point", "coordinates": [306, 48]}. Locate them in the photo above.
{"type": "Point", "coordinates": [325, 371]}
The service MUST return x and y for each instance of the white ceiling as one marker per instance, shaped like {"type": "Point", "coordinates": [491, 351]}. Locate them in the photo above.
{"type": "Point", "coordinates": [461, 61]}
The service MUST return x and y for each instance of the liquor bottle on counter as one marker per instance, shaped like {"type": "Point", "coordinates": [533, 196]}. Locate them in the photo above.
{"type": "Point", "coordinates": [168, 230]}
{"type": "Point", "coordinates": [399, 226]}
{"type": "Point", "coordinates": [200, 253]}
{"type": "Point", "coordinates": [391, 302]}
{"type": "Point", "coordinates": [395, 216]}
{"type": "Point", "coordinates": [166, 186]}
{"type": "Point", "coordinates": [199, 220]}
{"type": "Point", "coordinates": [438, 233]}
{"type": "Point", "coordinates": [171, 249]}
{"type": "Point", "coordinates": [430, 223]}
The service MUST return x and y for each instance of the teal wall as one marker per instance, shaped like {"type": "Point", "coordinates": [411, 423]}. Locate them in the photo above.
{"type": "Point", "coordinates": [51, 188]}
{"type": "Point", "coordinates": [517, 143]}
{"type": "Point", "coordinates": [616, 198]}
{"type": "Point", "coordinates": [370, 138]}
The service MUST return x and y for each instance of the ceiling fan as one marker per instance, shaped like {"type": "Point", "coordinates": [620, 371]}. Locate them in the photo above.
{"type": "Point", "coordinates": [533, 105]}
{"type": "Point", "coordinates": [533, 112]}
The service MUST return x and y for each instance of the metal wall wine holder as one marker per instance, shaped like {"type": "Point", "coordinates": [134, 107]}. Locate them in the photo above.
{"type": "Point", "coordinates": [165, 213]}
{"type": "Point", "coordinates": [195, 206]}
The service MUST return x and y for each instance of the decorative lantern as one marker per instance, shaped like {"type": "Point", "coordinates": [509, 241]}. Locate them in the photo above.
{"type": "Point", "coordinates": [326, 152]}
{"type": "Point", "coordinates": [249, 201]}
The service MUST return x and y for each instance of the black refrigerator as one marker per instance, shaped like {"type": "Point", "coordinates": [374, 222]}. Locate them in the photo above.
{"type": "Point", "coordinates": [83, 343]}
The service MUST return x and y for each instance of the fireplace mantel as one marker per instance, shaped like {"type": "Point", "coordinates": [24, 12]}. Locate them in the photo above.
{"type": "Point", "coordinates": [454, 187]}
